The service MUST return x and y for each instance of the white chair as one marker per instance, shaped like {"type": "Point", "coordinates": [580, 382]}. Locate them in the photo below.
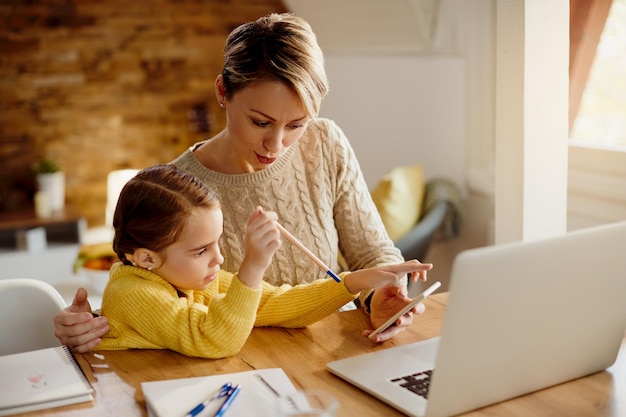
{"type": "Point", "coordinates": [27, 307]}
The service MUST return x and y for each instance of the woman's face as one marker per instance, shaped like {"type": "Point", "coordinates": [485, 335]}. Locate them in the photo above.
{"type": "Point", "coordinates": [193, 261]}
{"type": "Point", "coordinates": [263, 121]}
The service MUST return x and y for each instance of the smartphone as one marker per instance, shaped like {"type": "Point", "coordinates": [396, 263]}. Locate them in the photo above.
{"type": "Point", "coordinates": [428, 291]}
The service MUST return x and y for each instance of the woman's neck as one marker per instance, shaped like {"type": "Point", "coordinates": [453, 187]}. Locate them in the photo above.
{"type": "Point", "coordinates": [217, 154]}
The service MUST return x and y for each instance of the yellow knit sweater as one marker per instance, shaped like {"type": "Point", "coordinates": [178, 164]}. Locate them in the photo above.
{"type": "Point", "coordinates": [147, 312]}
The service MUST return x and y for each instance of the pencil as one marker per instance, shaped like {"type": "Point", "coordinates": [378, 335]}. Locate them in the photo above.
{"type": "Point", "coordinates": [307, 252]}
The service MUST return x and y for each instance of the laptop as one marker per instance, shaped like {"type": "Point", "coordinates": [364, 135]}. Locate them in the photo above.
{"type": "Point", "coordinates": [520, 317]}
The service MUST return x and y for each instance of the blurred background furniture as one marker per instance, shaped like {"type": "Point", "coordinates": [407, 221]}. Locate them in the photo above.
{"type": "Point", "coordinates": [40, 248]}
{"type": "Point", "coordinates": [441, 213]}
{"type": "Point", "coordinates": [416, 212]}
{"type": "Point", "coordinates": [115, 182]}
{"type": "Point", "coordinates": [26, 310]}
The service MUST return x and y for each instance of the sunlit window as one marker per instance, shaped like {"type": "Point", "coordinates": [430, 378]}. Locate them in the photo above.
{"type": "Point", "coordinates": [601, 116]}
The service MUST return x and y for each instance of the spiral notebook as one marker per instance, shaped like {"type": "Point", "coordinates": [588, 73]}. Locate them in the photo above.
{"type": "Point", "coordinates": [41, 379]}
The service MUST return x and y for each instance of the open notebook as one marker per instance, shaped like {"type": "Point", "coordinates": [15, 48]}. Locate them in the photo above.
{"type": "Point", "coordinates": [41, 379]}
{"type": "Point", "coordinates": [520, 317]}
{"type": "Point", "coordinates": [259, 392]}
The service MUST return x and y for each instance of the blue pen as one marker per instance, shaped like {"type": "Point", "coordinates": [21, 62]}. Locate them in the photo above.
{"type": "Point", "coordinates": [223, 392]}
{"type": "Point", "coordinates": [229, 400]}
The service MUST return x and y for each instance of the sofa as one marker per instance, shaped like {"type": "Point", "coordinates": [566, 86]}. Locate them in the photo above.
{"type": "Point", "coordinates": [415, 211]}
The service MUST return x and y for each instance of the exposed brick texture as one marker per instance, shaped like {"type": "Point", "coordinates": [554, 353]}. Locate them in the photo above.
{"type": "Point", "coordinates": [109, 84]}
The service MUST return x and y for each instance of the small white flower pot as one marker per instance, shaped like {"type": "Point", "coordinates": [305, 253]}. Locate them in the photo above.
{"type": "Point", "coordinates": [53, 185]}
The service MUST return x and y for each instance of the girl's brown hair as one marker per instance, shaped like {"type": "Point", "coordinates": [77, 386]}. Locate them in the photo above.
{"type": "Point", "coordinates": [153, 207]}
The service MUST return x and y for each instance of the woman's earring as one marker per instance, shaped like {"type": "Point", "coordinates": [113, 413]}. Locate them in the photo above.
{"type": "Point", "coordinates": [220, 104]}
{"type": "Point", "coordinates": [149, 267]}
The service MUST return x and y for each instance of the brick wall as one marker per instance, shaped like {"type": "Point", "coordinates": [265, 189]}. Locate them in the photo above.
{"type": "Point", "coordinates": [104, 85]}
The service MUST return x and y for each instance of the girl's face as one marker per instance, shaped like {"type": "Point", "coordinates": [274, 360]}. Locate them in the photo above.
{"type": "Point", "coordinates": [194, 260]}
{"type": "Point", "coordinates": [264, 120]}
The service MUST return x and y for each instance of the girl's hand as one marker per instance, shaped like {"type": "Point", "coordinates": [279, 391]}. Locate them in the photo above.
{"type": "Point", "coordinates": [382, 275]}
{"type": "Point", "coordinates": [262, 240]}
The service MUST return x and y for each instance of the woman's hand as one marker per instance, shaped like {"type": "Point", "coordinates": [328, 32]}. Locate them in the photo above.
{"type": "Point", "coordinates": [262, 240]}
{"type": "Point", "coordinates": [388, 300]}
{"type": "Point", "coordinates": [76, 327]}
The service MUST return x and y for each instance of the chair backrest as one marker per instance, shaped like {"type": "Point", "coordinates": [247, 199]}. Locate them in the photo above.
{"type": "Point", "coordinates": [27, 307]}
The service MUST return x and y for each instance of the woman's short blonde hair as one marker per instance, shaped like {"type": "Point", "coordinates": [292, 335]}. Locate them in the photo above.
{"type": "Point", "coordinates": [276, 47]}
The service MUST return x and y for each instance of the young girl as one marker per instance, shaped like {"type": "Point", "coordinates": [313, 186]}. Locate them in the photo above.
{"type": "Point", "coordinates": [169, 291]}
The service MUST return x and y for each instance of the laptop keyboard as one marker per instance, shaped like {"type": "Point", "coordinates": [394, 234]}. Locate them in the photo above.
{"type": "Point", "coordinates": [417, 383]}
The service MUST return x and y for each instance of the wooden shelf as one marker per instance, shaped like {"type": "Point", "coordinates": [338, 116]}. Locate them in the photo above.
{"type": "Point", "coordinates": [66, 226]}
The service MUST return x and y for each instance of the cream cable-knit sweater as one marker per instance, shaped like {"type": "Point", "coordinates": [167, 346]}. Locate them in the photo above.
{"type": "Point", "coordinates": [147, 312]}
{"type": "Point", "coordinates": [320, 195]}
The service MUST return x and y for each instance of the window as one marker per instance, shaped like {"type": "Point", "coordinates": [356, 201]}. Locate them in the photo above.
{"type": "Point", "coordinates": [601, 116]}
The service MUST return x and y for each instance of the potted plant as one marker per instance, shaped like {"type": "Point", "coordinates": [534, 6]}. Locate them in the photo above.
{"type": "Point", "coordinates": [51, 184]}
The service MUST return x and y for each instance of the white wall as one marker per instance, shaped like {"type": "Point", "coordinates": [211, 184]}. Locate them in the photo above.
{"type": "Point", "coordinates": [400, 111]}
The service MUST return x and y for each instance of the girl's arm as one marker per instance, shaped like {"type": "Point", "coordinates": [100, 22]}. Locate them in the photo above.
{"type": "Point", "coordinates": [152, 315]}
{"type": "Point", "coordinates": [304, 304]}
{"type": "Point", "coordinates": [301, 305]}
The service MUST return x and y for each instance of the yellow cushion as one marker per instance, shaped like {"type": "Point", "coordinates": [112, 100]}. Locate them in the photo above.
{"type": "Point", "coordinates": [398, 197]}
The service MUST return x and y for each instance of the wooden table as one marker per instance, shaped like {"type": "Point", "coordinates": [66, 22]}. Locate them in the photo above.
{"type": "Point", "coordinates": [303, 354]}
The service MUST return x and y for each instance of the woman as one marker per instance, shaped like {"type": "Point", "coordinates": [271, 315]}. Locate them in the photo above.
{"type": "Point", "coordinates": [275, 153]}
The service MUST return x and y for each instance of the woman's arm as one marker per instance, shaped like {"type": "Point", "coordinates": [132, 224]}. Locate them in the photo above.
{"type": "Point", "coordinates": [363, 239]}
{"type": "Point", "coordinates": [76, 326]}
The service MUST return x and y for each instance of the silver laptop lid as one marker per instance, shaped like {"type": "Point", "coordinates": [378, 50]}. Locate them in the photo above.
{"type": "Point", "coordinates": [525, 316]}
